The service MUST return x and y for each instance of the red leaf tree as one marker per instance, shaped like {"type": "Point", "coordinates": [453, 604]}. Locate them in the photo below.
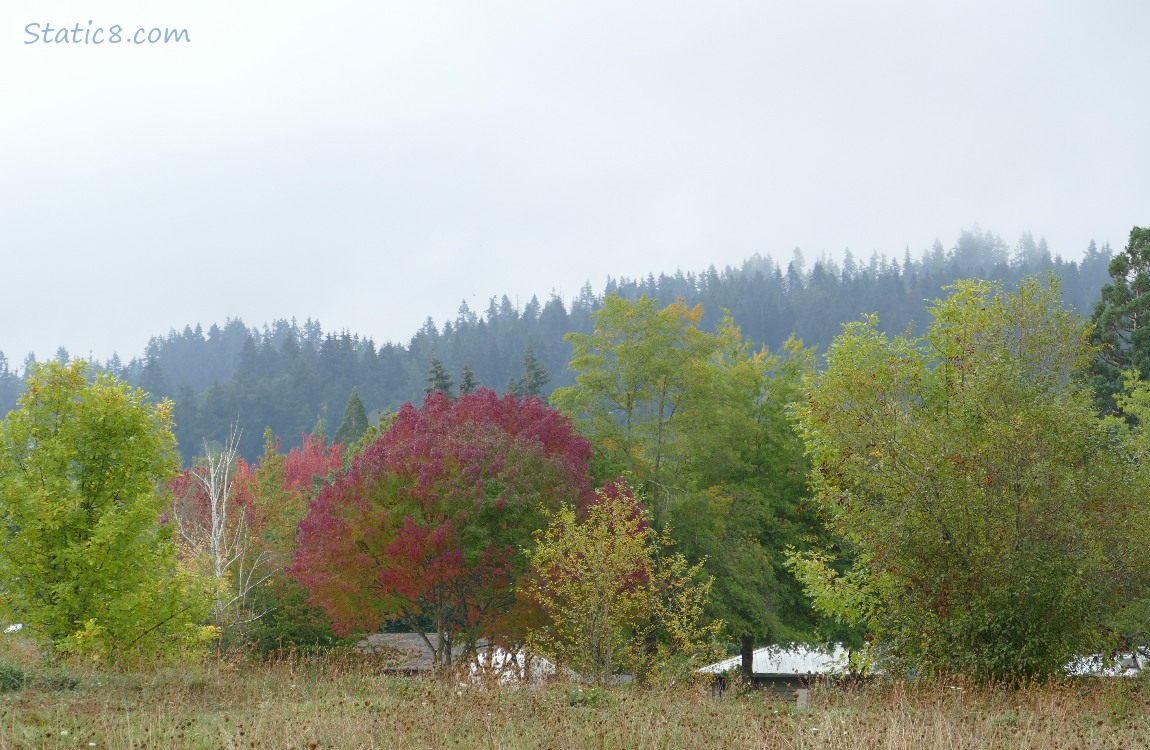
{"type": "Point", "coordinates": [237, 522]}
{"type": "Point", "coordinates": [429, 524]}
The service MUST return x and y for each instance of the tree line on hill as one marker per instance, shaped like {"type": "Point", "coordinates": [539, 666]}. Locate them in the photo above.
{"type": "Point", "coordinates": [296, 378]}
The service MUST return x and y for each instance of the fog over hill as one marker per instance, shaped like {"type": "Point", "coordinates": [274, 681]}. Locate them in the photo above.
{"type": "Point", "coordinates": [295, 377]}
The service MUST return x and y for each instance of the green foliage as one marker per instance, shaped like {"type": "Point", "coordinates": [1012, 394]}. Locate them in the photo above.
{"type": "Point", "coordinates": [634, 373]}
{"type": "Point", "coordinates": [742, 475]}
{"type": "Point", "coordinates": [1121, 320]}
{"type": "Point", "coordinates": [288, 620]}
{"type": "Point", "coordinates": [535, 376]}
{"type": "Point", "coordinates": [1132, 621]}
{"type": "Point", "coordinates": [468, 383]}
{"type": "Point", "coordinates": [88, 568]}
{"type": "Point", "coordinates": [991, 517]}
{"type": "Point", "coordinates": [438, 379]}
{"type": "Point", "coordinates": [319, 429]}
{"type": "Point", "coordinates": [354, 423]}
{"type": "Point", "coordinates": [698, 420]}
{"type": "Point", "coordinates": [12, 677]}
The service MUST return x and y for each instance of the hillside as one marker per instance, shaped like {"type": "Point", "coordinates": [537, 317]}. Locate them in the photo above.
{"type": "Point", "coordinates": [296, 378]}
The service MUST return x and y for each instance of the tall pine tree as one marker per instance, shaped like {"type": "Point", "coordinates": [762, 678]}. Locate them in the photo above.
{"type": "Point", "coordinates": [438, 378]}
{"type": "Point", "coordinates": [468, 383]}
{"type": "Point", "coordinates": [354, 422]}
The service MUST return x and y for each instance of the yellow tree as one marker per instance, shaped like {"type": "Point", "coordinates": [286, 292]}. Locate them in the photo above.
{"type": "Point", "coordinates": [85, 563]}
{"type": "Point", "coordinates": [614, 599]}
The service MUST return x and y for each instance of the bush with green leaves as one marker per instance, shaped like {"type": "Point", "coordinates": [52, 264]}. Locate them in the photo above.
{"type": "Point", "coordinates": [86, 565]}
{"type": "Point", "coordinates": [991, 514]}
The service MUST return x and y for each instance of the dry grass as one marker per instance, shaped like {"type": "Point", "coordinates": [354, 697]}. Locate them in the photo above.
{"type": "Point", "coordinates": [347, 703]}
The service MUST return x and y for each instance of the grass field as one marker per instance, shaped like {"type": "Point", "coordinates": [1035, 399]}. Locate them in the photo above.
{"type": "Point", "coordinates": [346, 703]}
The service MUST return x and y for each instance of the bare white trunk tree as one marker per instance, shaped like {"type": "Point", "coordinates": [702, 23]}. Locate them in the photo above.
{"type": "Point", "coordinates": [237, 563]}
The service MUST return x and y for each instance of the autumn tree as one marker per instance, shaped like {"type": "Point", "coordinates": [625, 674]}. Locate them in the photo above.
{"type": "Point", "coordinates": [237, 524]}
{"type": "Point", "coordinates": [87, 566]}
{"type": "Point", "coordinates": [277, 492]}
{"type": "Point", "coordinates": [213, 528]}
{"type": "Point", "coordinates": [429, 525]}
{"type": "Point", "coordinates": [610, 589]}
{"type": "Point", "coordinates": [993, 525]}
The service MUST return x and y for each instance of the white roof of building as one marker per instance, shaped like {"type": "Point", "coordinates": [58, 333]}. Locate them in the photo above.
{"type": "Point", "coordinates": [788, 660]}
{"type": "Point", "coordinates": [1126, 665]}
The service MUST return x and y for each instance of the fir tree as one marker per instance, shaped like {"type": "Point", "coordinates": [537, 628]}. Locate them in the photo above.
{"type": "Point", "coordinates": [320, 428]}
{"type": "Point", "coordinates": [354, 422]}
{"type": "Point", "coordinates": [535, 376]}
{"type": "Point", "coordinates": [468, 383]}
{"type": "Point", "coordinates": [1119, 320]}
{"type": "Point", "coordinates": [438, 379]}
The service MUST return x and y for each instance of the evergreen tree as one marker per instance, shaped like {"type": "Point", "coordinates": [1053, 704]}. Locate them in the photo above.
{"type": "Point", "coordinates": [1121, 320]}
{"type": "Point", "coordinates": [468, 383]}
{"type": "Point", "coordinates": [154, 381]}
{"type": "Point", "coordinates": [354, 422]}
{"type": "Point", "coordinates": [438, 379]}
{"type": "Point", "coordinates": [320, 429]}
{"type": "Point", "coordinates": [535, 376]}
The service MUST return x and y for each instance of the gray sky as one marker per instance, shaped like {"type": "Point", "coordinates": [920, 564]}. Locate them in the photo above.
{"type": "Point", "coordinates": [373, 163]}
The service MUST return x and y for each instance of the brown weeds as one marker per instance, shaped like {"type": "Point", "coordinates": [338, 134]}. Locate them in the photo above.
{"type": "Point", "coordinates": [347, 701]}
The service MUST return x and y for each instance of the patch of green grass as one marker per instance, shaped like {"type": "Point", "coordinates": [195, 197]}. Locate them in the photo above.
{"type": "Point", "coordinates": [11, 677]}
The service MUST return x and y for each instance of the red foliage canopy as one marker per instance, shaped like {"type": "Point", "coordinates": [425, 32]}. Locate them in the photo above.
{"type": "Point", "coordinates": [429, 523]}
{"type": "Point", "coordinates": [293, 477]}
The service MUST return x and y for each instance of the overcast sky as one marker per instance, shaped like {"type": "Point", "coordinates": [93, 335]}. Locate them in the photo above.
{"type": "Point", "coordinates": [373, 163]}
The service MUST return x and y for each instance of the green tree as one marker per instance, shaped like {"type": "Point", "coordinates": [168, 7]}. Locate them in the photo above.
{"type": "Point", "coordinates": [276, 494]}
{"type": "Point", "coordinates": [635, 372]}
{"type": "Point", "coordinates": [992, 523]}
{"type": "Point", "coordinates": [468, 383]}
{"type": "Point", "coordinates": [609, 586]}
{"type": "Point", "coordinates": [354, 423]}
{"type": "Point", "coordinates": [741, 474]}
{"type": "Point", "coordinates": [319, 430]}
{"type": "Point", "coordinates": [86, 565]}
{"type": "Point", "coordinates": [1121, 320]}
{"type": "Point", "coordinates": [535, 376]}
{"type": "Point", "coordinates": [1132, 621]}
{"type": "Point", "coordinates": [698, 421]}
{"type": "Point", "coordinates": [438, 379]}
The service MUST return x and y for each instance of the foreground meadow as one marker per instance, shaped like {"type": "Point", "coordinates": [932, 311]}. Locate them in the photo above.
{"type": "Point", "coordinates": [345, 703]}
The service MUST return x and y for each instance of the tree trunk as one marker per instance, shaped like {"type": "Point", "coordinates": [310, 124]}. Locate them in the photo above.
{"type": "Point", "coordinates": [747, 652]}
